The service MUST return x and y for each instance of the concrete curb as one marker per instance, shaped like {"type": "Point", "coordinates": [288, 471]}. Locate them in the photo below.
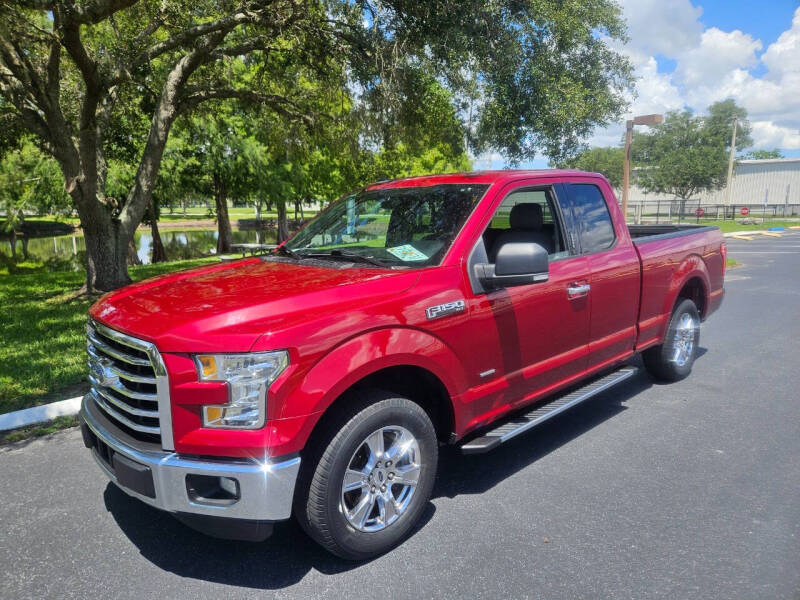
{"type": "Point", "coordinates": [745, 232]}
{"type": "Point", "coordinates": [40, 414]}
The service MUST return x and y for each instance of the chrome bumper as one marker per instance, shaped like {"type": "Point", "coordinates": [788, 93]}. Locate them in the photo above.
{"type": "Point", "coordinates": [266, 489]}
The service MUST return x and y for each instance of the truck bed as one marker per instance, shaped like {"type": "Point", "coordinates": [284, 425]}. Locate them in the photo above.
{"type": "Point", "coordinates": [667, 253]}
{"type": "Point", "coordinates": [642, 234]}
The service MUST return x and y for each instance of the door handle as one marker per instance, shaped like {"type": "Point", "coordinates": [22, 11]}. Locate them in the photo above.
{"type": "Point", "coordinates": [578, 290]}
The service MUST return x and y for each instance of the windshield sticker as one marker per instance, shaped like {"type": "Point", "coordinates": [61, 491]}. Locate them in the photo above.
{"type": "Point", "coordinates": [407, 253]}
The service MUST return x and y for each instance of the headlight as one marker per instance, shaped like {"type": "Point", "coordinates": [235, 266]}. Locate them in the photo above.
{"type": "Point", "coordinates": [248, 377]}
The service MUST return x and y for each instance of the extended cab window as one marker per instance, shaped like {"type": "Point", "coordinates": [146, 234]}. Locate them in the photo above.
{"type": "Point", "coordinates": [410, 227]}
{"type": "Point", "coordinates": [526, 215]}
{"type": "Point", "coordinates": [592, 217]}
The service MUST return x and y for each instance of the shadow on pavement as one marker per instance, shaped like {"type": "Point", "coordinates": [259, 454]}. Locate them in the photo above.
{"type": "Point", "coordinates": [289, 554]}
{"type": "Point", "coordinates": [474, 474]}
{"type": "Point", "coordinates": [280, 561]}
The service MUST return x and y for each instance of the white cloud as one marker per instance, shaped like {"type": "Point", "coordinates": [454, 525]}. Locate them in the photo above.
{"type": "Point", "coordinates": [656, 93]}
{"type": "Point", "coordinates": [658, 27]}
{"type": "Point", "coordinates": [717, 55]}
{"type": "Point", "coordinates": [771, 135]}
{"type": "Point", "coordinates": [783, 57]}
{"type": "Point", "coordinates": [711, 65]}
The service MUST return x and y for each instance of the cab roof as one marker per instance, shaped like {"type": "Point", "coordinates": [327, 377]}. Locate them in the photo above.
{"type": "Point", "coordinates": [478, 177]}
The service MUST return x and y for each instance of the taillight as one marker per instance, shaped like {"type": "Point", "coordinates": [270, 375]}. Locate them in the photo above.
{"type": "Point", "coordinates": [724, 251]}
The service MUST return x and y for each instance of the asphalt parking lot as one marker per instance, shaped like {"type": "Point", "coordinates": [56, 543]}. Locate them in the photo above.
{"type": "Point", "coordinates": [688, 490]}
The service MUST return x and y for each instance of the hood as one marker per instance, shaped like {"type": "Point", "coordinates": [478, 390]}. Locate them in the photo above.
{"type": "Point", "coordinates": [227, 307]}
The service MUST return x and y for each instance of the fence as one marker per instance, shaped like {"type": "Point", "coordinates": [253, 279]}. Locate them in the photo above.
{"type": "Point", "coordinates": [673, 211]}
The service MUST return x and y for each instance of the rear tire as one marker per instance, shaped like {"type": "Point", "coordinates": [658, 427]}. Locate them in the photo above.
{"type": "Point", "coordinates": [370, 477]}
{"type": "Point", "coordinates": [673, 360]}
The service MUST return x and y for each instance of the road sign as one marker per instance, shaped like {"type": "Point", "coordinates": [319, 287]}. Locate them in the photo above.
{"type": "Point", "coordinates": [745, 211]}
{"type": "Point", "coordinates": [699, 212]}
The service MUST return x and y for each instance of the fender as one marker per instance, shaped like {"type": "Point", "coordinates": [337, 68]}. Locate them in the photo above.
{"type": "Point", "coordinates": [368, 353]}
{"type": "Point", "coordinates": [692, 266]}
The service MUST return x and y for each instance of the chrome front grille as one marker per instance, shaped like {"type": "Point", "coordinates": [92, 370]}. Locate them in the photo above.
{"type": "Point", "coordinates": [129, 383]}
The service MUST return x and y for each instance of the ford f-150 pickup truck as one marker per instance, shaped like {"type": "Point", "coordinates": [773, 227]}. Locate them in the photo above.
{"type": "Point", "coordinates": [319, 379]}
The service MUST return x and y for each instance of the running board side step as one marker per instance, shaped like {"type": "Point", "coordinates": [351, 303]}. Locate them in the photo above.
{"type": "Point", "coordinates": [511, 428]}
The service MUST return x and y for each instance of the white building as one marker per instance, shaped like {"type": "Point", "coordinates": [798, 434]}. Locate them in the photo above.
{"type": "Point", "coordinates": [769, 181]}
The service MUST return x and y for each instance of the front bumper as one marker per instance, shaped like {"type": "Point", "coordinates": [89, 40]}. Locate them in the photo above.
{"type": "Point", "coordinates": [159, 478]}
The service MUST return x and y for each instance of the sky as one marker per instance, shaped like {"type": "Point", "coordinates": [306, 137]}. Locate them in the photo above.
{"type": "Point", "coordinates": [690, 54]}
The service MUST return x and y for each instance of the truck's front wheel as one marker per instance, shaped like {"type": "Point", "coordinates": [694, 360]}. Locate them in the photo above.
{"type": "Point", "coordinates": [673, 359]}
{"type": "Point", "coordinates": [373, 477]}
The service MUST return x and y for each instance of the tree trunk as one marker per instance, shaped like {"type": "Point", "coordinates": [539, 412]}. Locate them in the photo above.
{"type": "Point", "coordinates": [283, 225]}
{"type": "Point", "coordinates": [159, 255]}
{"type": "Point", "coordinates": [106, 251]}
{"type": "Point", "coordinates": [225, 238]}
{"type": "Point", "coordinates": [133, 254]}
{"type": "Point", "coordinates": [13, 242]}
{"type": "Point", "coordinates": [25, 254]}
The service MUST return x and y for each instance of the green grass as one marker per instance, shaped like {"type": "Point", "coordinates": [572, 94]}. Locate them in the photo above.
{"type": "Point", "coordinates": [196, 214]}
{"type": "Point", "coordinates": [43, 350]}
{"type": "Point", "coordinates": [730, 226]}
{"type": "Point", "coordinates": [34, 431]}
{"type": "Point", "coordinates": [731, 263]}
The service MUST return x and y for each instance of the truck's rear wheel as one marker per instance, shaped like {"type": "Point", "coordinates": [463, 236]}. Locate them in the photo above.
{"type": "Point", "coordinates": [673, 360]}
{"type": "Point", "coordinates": [373, 478]}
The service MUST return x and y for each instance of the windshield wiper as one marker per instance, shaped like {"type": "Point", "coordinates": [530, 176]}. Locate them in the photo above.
{"type": "Point", "coordinates": [351, 256]}
{"type": "Point", "coordinates": [284, 249]}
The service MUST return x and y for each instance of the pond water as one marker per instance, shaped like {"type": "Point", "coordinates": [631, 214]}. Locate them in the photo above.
{"type": "Point", "coordinates": [179, 245]}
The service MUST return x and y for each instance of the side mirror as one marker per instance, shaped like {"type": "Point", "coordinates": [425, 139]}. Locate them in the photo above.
{"type": "Point", "coordinates": [517, 263]}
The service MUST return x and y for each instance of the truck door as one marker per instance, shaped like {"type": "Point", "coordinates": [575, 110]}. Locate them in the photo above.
{"type": "Point", "coordinates": [533, 336]}
{"type": "Point", "coordinates": [614, 283]}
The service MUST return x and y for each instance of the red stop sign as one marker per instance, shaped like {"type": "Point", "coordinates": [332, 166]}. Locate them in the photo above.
{"type": "Point", "coordinates": [745, 211]}
{"type": "Point", "coordinates": [699, 212]}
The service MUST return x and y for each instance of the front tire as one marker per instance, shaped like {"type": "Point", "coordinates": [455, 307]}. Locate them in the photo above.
{"type": "Point", "coordinates": [673, 360]}
{"type": "Point", "coordinates": [373, 478]}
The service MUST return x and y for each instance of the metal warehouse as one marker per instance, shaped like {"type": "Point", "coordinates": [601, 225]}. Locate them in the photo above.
{"type": "Point", "coordinates": [768, 181]}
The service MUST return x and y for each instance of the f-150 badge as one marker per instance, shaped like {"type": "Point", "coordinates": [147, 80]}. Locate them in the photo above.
{"type": "Point", "coordinates": [446, 309]}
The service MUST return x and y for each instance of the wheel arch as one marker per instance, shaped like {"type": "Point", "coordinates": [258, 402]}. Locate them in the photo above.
{"type": "Point", "coordinates": [408, 381]}
{"type": "Point", "coordinates": [694, 289]}
{"type": "Point", "coordinates": [689, 280]}
{"type": "Point", "coordinates": [407, 361]}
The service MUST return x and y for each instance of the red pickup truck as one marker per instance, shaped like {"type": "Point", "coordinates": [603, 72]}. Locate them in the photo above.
{"type": "Point", "coordinates": [319, 379]}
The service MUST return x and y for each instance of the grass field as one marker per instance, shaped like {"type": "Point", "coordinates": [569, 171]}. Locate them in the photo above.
{"type": "Point", "coordinates": [234, 213]}
{"type": "Point", "coordinates": [43, 354]}
{"type": "Point", "coordinates": [729, 226]}
{"type": "Point", "coordinates": [731, 262]}
{"type": "Point", "coordinates": [197, 213]}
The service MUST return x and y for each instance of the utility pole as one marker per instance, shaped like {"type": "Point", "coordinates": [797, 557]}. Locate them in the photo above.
{"type": "Point", "coordinates": [730, 162]}
{"type": "Point", "coordinates": [626, 164]}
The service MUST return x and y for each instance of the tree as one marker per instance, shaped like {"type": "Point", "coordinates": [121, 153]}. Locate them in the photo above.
{"type": "Point", "coordinates": [607, 161]}
{"type": "Point", "coordinates": [687, 154]}
{"type": "Point", "coordinates": [70, 71]}
{"type": "Point", "coordinates": [718, 125]}
{"type": "Point", "coordinates": [764, 154]}
{"type": "Point", "coordinates": [29, 181]}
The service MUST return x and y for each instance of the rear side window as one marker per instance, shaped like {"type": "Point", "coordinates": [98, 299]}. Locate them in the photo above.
{"type": "Point", "coordinates": [591, 214]}
{"type": "Point", "coordinates": [501, 217]}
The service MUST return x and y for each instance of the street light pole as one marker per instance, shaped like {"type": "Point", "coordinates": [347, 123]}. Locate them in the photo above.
{"type": "Point", "coordinates": [626, 168]}
{"type": "Point", "coordinates": [626, 165]}
{"type": "Point", "coordinates": [730, 163]}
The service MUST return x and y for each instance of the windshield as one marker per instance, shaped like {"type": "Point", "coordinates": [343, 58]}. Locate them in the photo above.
{"type": "Point", "coordinates": [412, 226]}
